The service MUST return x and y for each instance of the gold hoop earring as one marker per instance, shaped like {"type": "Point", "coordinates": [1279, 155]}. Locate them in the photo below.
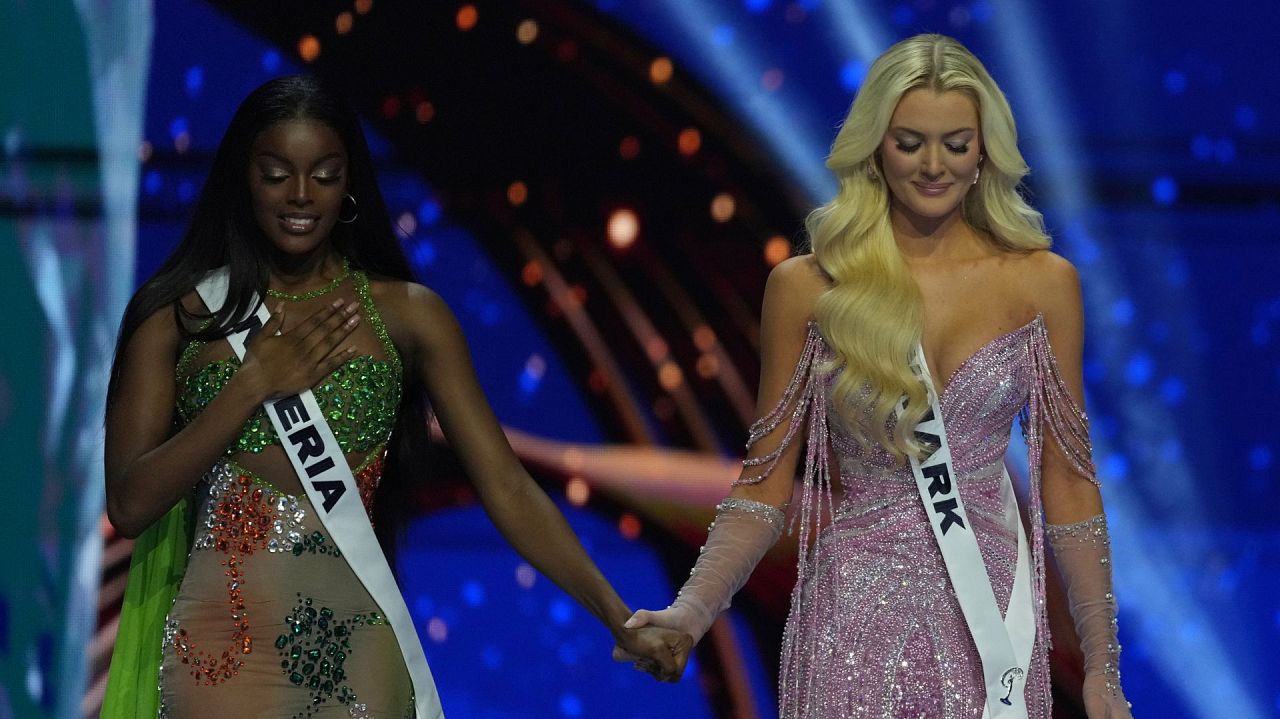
{"type": "Point", "coordinates": [355, 210]}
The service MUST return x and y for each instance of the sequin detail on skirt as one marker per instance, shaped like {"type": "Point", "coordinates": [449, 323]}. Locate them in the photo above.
{"type": "Point", "coordinates": [875, 629]}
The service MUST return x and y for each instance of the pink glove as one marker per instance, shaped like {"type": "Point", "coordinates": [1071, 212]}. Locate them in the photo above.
{"type": "Point", "coordinates": [740, 535]}
{"type": "Point", "coordinates": [1083, 551]}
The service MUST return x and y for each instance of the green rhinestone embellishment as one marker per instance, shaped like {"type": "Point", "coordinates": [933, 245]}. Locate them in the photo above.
{"type": "Point", "coordinates": [317, 650]}
{"type": "Point", "coordinates": [318, 292]}
{"type": "Point", "coordinates": [360, 398]}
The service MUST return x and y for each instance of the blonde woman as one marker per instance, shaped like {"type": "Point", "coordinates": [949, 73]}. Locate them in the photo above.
{"type": "Point", "coordinates": [930, 291]}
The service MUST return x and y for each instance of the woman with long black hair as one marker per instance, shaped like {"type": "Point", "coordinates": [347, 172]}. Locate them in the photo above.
{"type": "Point", "coordinates": [288, 311]}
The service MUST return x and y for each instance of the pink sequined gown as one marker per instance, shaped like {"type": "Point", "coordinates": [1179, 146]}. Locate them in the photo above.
{"type": "Point", "coordinates": [875, 629]}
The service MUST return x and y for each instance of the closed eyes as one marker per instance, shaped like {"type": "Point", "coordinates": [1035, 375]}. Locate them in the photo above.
{"type": "Point", "coordinates": [322, 179]}
{"type": "Point", "coordinates": [953, 149]}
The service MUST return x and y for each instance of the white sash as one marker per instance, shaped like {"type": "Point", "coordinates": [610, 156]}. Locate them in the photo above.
{"type": "Point", "coordinates": [323, 471]}
{"type": "Point", "coordinates": [1004, 644]}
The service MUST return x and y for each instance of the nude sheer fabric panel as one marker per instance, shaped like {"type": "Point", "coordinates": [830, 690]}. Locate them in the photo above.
{"type": "Point", "coordinates": [270, 620]}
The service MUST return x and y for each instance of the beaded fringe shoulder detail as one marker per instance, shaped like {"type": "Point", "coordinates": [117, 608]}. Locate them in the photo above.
{"type": "Point", "coordinates": [806, 398]}
{"type": "Point", "coordinates": [1050, 405]}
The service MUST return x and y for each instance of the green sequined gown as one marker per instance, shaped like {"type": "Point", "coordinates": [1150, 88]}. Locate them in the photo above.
{"type": "Point", "coordinates": [269, 619]}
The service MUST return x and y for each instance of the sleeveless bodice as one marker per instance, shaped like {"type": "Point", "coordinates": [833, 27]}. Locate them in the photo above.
{"type": "Point", "coordinates": [359, 399]}
{"type": "Point", "coordinates": [269, 618]}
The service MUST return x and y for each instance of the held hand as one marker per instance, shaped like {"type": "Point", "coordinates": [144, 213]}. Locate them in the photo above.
{"type": "Point", "coordinates": [298, 358]}
{"type": "Point", "coordinates": [661, 652]}
{"type": "Point", "coordinates": [1101, 702]}
{"type": "Point", "coordinates": [680, 617]}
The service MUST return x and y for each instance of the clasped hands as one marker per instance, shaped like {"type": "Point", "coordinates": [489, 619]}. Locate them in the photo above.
{"type": "Point", "coordinates": [656, 642]}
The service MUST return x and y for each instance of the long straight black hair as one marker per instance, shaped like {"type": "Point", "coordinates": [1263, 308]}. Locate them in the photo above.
{"type": "Point", "coordinates": [223, 232]}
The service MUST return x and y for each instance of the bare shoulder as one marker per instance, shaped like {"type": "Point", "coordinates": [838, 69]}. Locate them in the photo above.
{"type": "Point", "coordinates": [160, 329]}
{"type": "Point", "coordinates": [413, 314]}
{"type": "Point", "coordinates": [1052, 285]}
{"type": "Point", "coordinates": [794, 287]}
{"type": "Point", "coordinates": [800, 274]}
{"type": "Point", "coordinates": [389, 292]}
{"type": "Point", "coordinates": [1049, 282]}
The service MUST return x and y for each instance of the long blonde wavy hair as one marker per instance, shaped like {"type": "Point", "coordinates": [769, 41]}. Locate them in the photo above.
{"type": "Point", "coordinates": [873, 315]}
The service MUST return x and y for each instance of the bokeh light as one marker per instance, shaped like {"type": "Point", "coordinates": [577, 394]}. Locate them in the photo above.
{"type": "Point", "coordinates": [660, 70]}
{"type": "Point", "coordinates": [656, 348]}
{"type": "Point", "coordinates": [467, 17]}
{"type": "Point", "coordinates": [343, 22]}
{"type": "Point", "coordinates": [526, 576]}
{"type": "Point", "coordinates": [437, 630]}
{"type": "Point", "coordinates": [708, 366]}
{"type": "Point", "coordinates": [577, 491]}
{"type": "Point", "coordinates": [527, 31]}
{"type": "Point", "coordinates": [689, 141]}
{"type": "Point", "coordinates": [704, 338]}
{"type": "Point", "coordinates": [776, 249]}
{"type": "Point", "coordinates": [517, 193]}
{"type": "Point", "coordinates": [629, 148]}
{"type": "Point", "coordinates": [308, 48]}
{"type": "Point", "coordinates": [623, 228]}
{"type": "Point", "coordinates": [531, 273]}
{"type": "Point", "coordinates": [629, 526]}
{"type": "Point", "coordinates": [670, 376]}
{"type": "Point", "coordinates": [722, 207]}
{"type": "Point", "coordinates": [407, 223]}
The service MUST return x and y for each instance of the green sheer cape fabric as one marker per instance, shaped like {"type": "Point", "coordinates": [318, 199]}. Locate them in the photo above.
{"type": "Point", "coordinates": [155, 571]}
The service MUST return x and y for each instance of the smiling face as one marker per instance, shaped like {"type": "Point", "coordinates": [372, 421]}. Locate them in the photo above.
{"type": "Point", "coordinates": [297, 177]}
{"type": "Point", "coordinates": [930, 154]}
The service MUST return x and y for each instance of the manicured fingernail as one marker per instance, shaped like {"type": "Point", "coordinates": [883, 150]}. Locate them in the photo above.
{"type": "Point", "coordinates": [337, 303]}
{"type": "Point", "coordinates": [630, 623]}
{"type": "Point", "coordinates": [352, 322]}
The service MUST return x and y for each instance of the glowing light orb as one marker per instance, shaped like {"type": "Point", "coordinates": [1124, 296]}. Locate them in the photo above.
{"type": "Point", "coordinates": [623, 228]}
